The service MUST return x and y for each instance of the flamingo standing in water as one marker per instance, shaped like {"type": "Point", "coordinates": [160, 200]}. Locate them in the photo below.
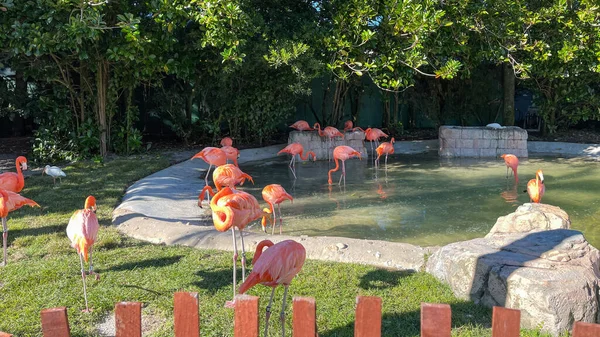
{"type": "Point", "coordinates": [387, 148]}
{"type": "Point", "coordinates": [330, 132]}
{"type": "Point", "coordinates": [513, 162]}
{"type": "Point", "coordinates": [231, 153]}
{"type": "Point", "coordinates": [82, 230]}
{"type": "Point", "coordinates": [212, 156]}
{"type": "Point", "coordinates": [296, 149]}
{"type": "Point", "coordinates": [536, 187]}
{"type": "Point", "coordinates": [278, 265]}
{"type": "Point", "coordinates": [275, 194]}
{"type": "Point", "coordinates": [12, 181]}
{"type": "Point", "coordinates": [226, 141]}
{"type": "Point", "coordinates": [342, 153]}
{"type": "Point", "coordinates": [227, 175]}
{"type": "Point", "coordinates": [233, 209]}
{"type": "Point", "coordinates": [10, 201]}
{"type": "Point", "coordinates": [373, 134]}
{"type": "Point", "coordinates": [301, 126]}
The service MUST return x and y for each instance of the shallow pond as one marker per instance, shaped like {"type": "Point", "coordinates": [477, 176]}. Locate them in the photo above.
{"type": "Point", "coordinates": [424, 199]}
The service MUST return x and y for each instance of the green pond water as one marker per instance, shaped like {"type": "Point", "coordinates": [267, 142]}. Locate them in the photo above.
{"type": "Point", "coordinates": [423, 199]}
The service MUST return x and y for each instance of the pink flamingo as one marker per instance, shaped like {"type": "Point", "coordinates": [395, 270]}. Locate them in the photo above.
{"type": "Point", "coordinates": [212, 156]}
{"type": "Point", "coordinates": [330, 132]}
{"type": "Point", "coordinates": [348, 126]}
{"type": "Point", "coordinates": [10, 201]}
{"type": "Point", "coordinates": [373, 134]}
{"type": "Point", "coordinates": [278, 265]}
{"type": "Point", "coordinates": [296, 149]}
{"type": "Point", "coordinates": [342, 153]}
{"type": "Point", "coordinates": [231, 153]}
{"type": "Point", "coordinates": [513, 162]}
{"type": "Point", "coordinates": [226, 141]}
{"type": "Point", "coordinates": [227, 175]}
{"type": "Point", "coordinates": [275, 194]}
{"type": "Point", "coordinates": [235, 209]}
{"type": "Point", "coordinates": [82, 230]}
{"type": "Point", "coordinates": [301, 126]}
{"type": "Point", "coordinates": [536, 187]}
{"type": "Point", "coordinates": [387, 148]}
{"type": "Point", "coordinates": [12, 181]}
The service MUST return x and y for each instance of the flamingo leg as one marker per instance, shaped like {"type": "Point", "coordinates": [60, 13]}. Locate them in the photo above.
{"type": "Point", "coordinates": [87, 309]}
{"type": "Point", "coordinates": [206, 182]}
{"type": "Point", "coordinates": [230, 304]}
{"type": "Point", "coordinates": [268, 312]}
{"type": "Point", "coordinates": [274, 219]}
{"type": "Point", "coordinates": [343, 173]}
{"type": "Point", "coordinates": [243, 256]}
{"type": "Point", "coordinates": [507, 172]}
{"type": "Point", "coordinates": [4, 239]}
{"type": "Point", "coordinates": [54, 180]}
{"type": "Point", "coordinates": [92, 272]}
{"type": "Point", "coordinates": [386, 161]}
{"type": "Point", "coordinates": [293, 166]}
{"type": "Point", "coordinates": [282, 315]}
{"type": "Point", "coordinates": [280, 219]}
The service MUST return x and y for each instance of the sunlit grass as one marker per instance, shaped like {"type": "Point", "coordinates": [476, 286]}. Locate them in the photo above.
{"type": "Point", "coordinates": [43, 271]}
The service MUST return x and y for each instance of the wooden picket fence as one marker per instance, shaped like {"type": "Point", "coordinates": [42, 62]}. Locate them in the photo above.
{"type": "Point", "coordinates": [435, 319]}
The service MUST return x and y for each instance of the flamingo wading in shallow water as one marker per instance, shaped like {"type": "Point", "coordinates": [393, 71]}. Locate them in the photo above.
{"type": "Point", "coordinates": [82, 230]}
{"type": "Point", "coordinates": [373, 134]}
{"type": "Point", "coordinates": [233, 209]}
{"type": "Point", "coordinates": [12, 181]}
{"type": "Point", "coordinates": [536, 187]}
{"type": "Point", "coordinates": [276, 266]}
{"type": "Point", "coordinates": [342, 153]}
{"type": "Point", "coordinates": [513, 162]}
{"type": "Point", "coordinates": [227, 175]}
{"type": "Point", "coordinates": [387, 148]}
{"type": "Point", "coordinates": [10, 201]}
{"type": "Point", "coordinates": [301, 126]}
{"type": "Point", "coordinates": [212, 156]}
{"type": "Point", "coordinates": [275, 194]}
{"type": "Point", "coordinates": [296, 149]}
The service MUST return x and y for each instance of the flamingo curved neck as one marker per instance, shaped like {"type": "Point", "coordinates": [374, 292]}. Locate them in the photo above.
{"type": "Point", "coordinates": [20, 179]}
{"type": "Point", "coordinates": [337, 167]}
{"type": "Point", "coordinates": [304, 155]}
{"type": "Point", "coordinates": [259, 249]}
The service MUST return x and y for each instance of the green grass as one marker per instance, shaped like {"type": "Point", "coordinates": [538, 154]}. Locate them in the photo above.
{"type": "Point", "coordinates": [43, 271]}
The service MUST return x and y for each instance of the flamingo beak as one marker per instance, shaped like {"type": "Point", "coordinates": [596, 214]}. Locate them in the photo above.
{"type": "Point", "coordinates": [94, 209]}
{"type": "Point", "coordinates": [541, 176]}
{"type": "Point", "coordinates": [24, 166]}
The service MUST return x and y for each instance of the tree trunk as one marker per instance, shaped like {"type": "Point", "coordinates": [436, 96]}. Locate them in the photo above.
{"type": "Point", "coordinates": [386, 111]}
{"type": "Point", "coordinates": [18, 124]}
{"type": "Point", "coordinates": [509, 95]}
{"type": "Point", "coordinates": [189, 103]}
{"type": "Point", "coordinates": [355, 94]}
{"type": "Point", "coordinates": [102, 88]}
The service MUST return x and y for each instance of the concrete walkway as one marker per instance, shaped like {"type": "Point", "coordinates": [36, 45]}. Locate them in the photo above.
{"type": "Point", "coordinates": [162, 208]}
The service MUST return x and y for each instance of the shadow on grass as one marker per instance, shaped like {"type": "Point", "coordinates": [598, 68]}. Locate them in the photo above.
{"type": "Point", "coordinates": [148, 263]}
{"type": "Point", "coordinates": [382, 279]}
{"type": "Point", "coordinates": [217, 279]}
{"type": "Point", "coordinates": [35, 231]}
{"type": "Point", "coordinates": [408, 324]}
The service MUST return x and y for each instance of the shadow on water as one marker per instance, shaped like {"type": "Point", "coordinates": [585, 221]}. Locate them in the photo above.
{"type": "Point", "coordinates": [148, 263]}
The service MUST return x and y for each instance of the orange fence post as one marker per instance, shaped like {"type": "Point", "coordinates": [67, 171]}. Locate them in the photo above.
{"type": "Point", "coordinates": [246, 316]}
{"type": "Point", "coordinates": [506, 322]}
{"type": "Point", "coordinates": [436, 320]}
{"type": "Point", "coordinates": [185, 312]}
{"type": "Point", "coordinates": [582, 329]}
{"type": "Point", "coordinates": [368, 316]}
{"type": "Point", "coordinates": [128, 319]}
{"type": "Point", "coordinates": [304, 317]}
{"type": "Point", "coordinates": [55, 322]}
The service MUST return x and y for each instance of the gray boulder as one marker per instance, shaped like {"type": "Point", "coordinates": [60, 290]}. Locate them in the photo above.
{"type": "Point", "coordinates": [548, 272]}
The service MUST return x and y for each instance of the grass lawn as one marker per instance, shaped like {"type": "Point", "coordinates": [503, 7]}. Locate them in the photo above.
{"type": "Point", "coordinates": [43, 271]}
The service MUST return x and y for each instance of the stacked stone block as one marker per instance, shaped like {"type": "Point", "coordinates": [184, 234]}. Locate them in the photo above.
{"type": "Point", "coordinates": [457, 141]}
{"type": "Point", "coordinates": [311, 141]}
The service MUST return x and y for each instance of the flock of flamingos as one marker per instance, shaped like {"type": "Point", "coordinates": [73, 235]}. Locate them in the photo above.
{"type": "Point", "coordinates": [231, 208]}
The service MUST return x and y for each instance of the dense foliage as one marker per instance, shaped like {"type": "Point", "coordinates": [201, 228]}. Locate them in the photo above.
{"type": "Point", "coordinates": [94, 74]}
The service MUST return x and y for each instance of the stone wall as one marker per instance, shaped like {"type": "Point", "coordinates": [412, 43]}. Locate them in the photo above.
{"type": "Point", "coordinates": [480, 141]}
{"type": "Point", "coordinates": [311, 141]}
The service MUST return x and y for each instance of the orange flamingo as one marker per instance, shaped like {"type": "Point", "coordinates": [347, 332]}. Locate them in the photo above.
{"type": "Point", "coordinates": [387, 148]}
{"type": "Point", "coordinates": [12, 181]}
{"type": "Point", "coordinates": [82, 230]}
{"type": "Point", "coordinates": [227, 175]}
{"type": "Point", "coordinates": [212, 156]}
{"type": "Point", "coordinates": [536, 187]}
{"type": "Point", "coordinates": [513, 162]}
{"type": "Point", "coordinates": [235, 209]}
{"type": "Point", "coordinates": [342, 153]}
{"type": "Point", "coordinates": [231, 153]}
{"type": "Point", "coordinates": [10, 201]}
{"type": "Point", "coordinates": [373, 134]}
{"type": "Point", "coordinates": [301, 126]}
{"type": "Point", "coordinates": [348, 126]}
{"type": "Point", "coordinates": [278, 265]}
{"type": "Point", "coordinates": [275, 194]}
{"type": "Point", "coordinates": [330, 132]}
{"type": "Point", "coordinates": [296, 149]}
{"type": "Point", "coordinates": [226, 141]}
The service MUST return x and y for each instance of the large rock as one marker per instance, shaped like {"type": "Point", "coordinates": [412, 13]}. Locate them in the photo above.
{"type": "Point", "coordinates": [550, 275]}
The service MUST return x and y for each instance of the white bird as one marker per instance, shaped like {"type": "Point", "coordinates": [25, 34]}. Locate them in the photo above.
{"type": "Point", "coordinates": [495, 126]}
{"type": "Point", "coordinates": [54, 172]}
